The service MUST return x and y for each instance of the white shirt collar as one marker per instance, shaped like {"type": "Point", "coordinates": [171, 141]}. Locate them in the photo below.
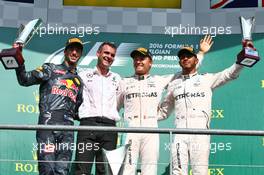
{"type": "Point", "coordinates": [96, 71]}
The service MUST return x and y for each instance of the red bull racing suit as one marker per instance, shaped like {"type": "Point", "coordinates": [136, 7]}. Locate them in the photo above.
{"type": "Point", "coordinates": [60, 97]}
{"type": "Point", "coordinates": [191, 97]}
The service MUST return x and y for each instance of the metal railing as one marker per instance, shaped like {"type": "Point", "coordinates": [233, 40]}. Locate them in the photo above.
{"type": "Point", "coordinates": [135, 130]}
{"type": "Point", "coordinates": [169, 131]}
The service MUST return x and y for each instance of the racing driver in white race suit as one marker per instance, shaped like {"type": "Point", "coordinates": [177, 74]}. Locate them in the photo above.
{"type": "Point", "coordinates": [140, 96]}
{"type": "Point", "coordinates": [190, 95]}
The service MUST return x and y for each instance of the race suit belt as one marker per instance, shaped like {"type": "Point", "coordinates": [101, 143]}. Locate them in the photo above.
{"type": "Point", "coordinates": [98, 120]}
{"type": "Point", "coordinates": [56, 116]}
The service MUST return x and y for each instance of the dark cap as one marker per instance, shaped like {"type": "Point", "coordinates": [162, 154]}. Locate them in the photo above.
{"type": "Point", "coordinates": [187, 51]}
{"type": "Point", "coordinates": [141, 51]}
{"type": "Point", "coordinates": [74, 41]}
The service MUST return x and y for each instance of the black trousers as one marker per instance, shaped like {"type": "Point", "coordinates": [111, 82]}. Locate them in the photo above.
{"type": "Point", "coordinates": [90, 144]}
{"type": "Point", "coordinates": [54, 147]}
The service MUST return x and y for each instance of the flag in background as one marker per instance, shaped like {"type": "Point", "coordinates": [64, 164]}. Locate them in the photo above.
{"type": "Point", "coordinates": [215, 4]}
{"type": "Point", "coordinates": [25, 1]}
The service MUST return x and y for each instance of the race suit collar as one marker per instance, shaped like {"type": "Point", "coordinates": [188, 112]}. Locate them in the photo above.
{"type": "Point", "coordinates": [141, 77]}
{"type": "Point", "coordinates": [188, 76]}
{"type": "Point", "coordinates": [96, 71]}
{"type": "Point", "coordinates": [71, 69]}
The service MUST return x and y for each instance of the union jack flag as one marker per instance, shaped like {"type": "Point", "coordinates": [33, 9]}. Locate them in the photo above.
{"type": "Point", "coordinates": [215, 4]}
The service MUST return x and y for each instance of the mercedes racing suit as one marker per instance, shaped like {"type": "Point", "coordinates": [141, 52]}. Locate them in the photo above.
{"type": "Point", "coordinates": [60, 97]}
{"type": "Point", "coordinates": [191, 96]}
{"type": "Point", "coordinates": [140, 96]}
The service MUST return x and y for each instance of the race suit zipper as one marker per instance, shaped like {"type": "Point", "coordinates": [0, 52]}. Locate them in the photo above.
{"type": "Point", "coordinates": [102, 89]}
{"type": "Point", "coordinates": [186, 108]}
{"type": "Point", "coordinates": [140, 103]}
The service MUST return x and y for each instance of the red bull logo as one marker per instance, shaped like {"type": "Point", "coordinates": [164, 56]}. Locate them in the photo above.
{"type": "Point", "coordinates": [69, 84]}
{"type": "Point", "coordinates": [70, 90]}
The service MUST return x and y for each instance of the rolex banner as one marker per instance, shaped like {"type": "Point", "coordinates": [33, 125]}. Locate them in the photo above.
{"type": "Point", "coordinates": [237, 105]}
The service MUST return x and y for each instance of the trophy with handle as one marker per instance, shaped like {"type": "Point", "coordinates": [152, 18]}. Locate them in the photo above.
{"type": "Point", "coordinates": [248, 56]}
{"type": "Point", "coordinates": [12, 58]}
{"type": "Point", "coordinates": [114, 160]}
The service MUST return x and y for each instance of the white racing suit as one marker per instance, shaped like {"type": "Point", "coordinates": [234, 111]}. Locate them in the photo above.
{"type": "Point", "coordinates": [140, 97]}
{"type": "Point", "coordinates": [191, 97]}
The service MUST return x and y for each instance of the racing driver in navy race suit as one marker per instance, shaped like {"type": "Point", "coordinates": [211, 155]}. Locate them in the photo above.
{"type": "Point", "coordinates": [60, 97]}
{"type": "Point", "coordinates": [140, 96]}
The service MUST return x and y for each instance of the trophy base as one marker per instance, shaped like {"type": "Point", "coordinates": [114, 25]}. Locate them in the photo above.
{"type": "Point", "coordinates": [11, 58]}
{"type": "Point", "coordinates": [248, 57]}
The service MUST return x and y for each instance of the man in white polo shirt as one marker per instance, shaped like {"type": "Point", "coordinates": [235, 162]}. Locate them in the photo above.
{"type": "Point", "coordinates": [98, 109]}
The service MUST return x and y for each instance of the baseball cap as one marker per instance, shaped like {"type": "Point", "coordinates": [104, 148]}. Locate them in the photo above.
{"type": "Point", "coordinates": [187, 51]}
{"type": "Point", "coordinates": [74, 41]}
{"type": "Point", "coordinates": [141, 51]}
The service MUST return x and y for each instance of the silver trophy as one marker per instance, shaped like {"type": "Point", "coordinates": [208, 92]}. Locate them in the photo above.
{"type": "Point", "coordinates": [114, 160]}
{"type": "Point", "coordinates": [12, 58]}
{"type": "Point", "coordinates": [248, 56]}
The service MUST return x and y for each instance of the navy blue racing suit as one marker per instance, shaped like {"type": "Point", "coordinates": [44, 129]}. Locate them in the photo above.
{"type": "Point", "coordinates": [60, 97]}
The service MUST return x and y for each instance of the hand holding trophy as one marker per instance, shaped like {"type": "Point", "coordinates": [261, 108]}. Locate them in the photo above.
{"type": "Point", "coordinates": [248, 55]}
{"type": "Point", "coordinates": [12, 58]}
